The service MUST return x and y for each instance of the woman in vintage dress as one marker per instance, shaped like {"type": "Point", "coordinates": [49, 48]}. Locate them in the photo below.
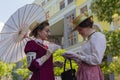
{"type": "Point", "coordinates": [39, 56]}
{"type": "Point", "coordinates": [91, 53]}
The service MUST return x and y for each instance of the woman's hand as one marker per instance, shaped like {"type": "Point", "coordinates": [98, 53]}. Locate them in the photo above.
{"type": "Point", "coordinates": [58, 64]}
{"type": "Point", "coordinates": [49, 52]}
{"type": "Point", "coordinates": [53, 47]}
{"type": "Point", "coordinates": [68, 54]}
{"type": "Point", "coordinates": [72, 55]}
{"type": "Point", "coordinates": [44, 58]}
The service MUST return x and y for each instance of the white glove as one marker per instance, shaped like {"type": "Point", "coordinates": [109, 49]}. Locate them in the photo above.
{"type": "Point", "coordinates": [30, 57]}
{"type": "Point", "coordinates": [44, 58]}
{"type": "Point", "coordinates": [71, 55]}
{"type": "Point", "coordinates": [53, 47]}
{"type": "Point", "coordinates": [68, 54]}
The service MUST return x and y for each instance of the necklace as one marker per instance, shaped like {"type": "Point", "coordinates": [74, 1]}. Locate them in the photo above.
{"type": "Point", "coordinates": [91, 35]}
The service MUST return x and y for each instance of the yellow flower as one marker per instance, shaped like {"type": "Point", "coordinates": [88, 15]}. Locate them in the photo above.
{"type": "Point", "coordinates": [115, 15]}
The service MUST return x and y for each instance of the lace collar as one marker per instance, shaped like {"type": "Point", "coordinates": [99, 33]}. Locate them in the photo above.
{"type": "Point", "coordinates": [90, 35]}
{"type": "Point", "coordinates": [39, 41]}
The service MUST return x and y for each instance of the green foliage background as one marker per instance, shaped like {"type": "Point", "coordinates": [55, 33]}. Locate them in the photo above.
{"type": "Point", "coordinates": [23, 71]}
{"type": "Point", "coordinates": [113, 42]}
{"type": "Point", "coordinates": [113, 49]}
{"type": "Point", "coordinates": [58, 57]}
{"type": "Point", "coordinates": [105, 9]}
{"type": "Point", "coordinates": [6, 69]}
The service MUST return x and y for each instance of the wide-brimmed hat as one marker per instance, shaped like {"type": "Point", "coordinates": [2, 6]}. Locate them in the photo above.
{"type": "Point", "coordinates": [34, 25]}
{"type": "Point", "coordinates": [79, 19]}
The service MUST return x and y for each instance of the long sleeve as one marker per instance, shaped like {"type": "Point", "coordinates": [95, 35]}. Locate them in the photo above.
{"type": "Point", "coordinates": [37, 63]}
{"type": "Point", "coordinates": [52, 46]}
{"type": "Point", "coordinates": [34, 66]}
{"type": "Point", "coordinates": [93, 52]}
{"type": "Point", "coordinates": [32, 48]}
{"type": "Point", "coordinates": [40, 72]}
{"type": "Point", "coordinates": [44, 58]}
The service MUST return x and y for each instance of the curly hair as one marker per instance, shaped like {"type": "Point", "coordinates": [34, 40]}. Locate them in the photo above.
{"type": "Point", "coordinates": [40, 27]}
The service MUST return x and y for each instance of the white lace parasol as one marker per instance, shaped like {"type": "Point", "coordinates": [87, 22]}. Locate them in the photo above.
{"type": "Point", "coordinates": [13, 36]}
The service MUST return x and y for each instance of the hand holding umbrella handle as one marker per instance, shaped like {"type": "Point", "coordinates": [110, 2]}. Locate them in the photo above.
{"type": "Point", "coordinates": [44, 58]}
{"type": "Point", "coordinates": [53, 47]}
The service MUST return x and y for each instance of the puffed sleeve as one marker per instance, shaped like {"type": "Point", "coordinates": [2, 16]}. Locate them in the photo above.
{"type": "Point", "coordinates": [97, 48]}
{"type": "Point", "coordinates": [34, 66]}
{"type": "Point", "coordinates": [31, 47]}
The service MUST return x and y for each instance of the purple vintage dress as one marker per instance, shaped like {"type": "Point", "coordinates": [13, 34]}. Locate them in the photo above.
{"type": "Point", "coordinates": [44, 72]}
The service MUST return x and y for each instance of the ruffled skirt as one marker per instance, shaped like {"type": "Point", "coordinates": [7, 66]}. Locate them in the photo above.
{"type": "Point", "coordinates": [89, 72]}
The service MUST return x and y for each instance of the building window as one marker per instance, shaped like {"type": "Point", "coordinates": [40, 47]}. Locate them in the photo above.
{"type": "Point", "coordinates": [55, 39]}
{"type": "Point", "coordinates": [62, 5]}
{"type": "Point", "coordinates": [72, 37]}
{"type": "Point", "coordinates": [47, 15]}
{"type": "Point", "coordinates": [70, 1]}
{"type": "Point", "coordinates": [83, 9]}
{"type": "Point", "coordinates": [43, 3]}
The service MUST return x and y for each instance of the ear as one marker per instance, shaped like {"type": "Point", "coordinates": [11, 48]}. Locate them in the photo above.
{"type": "Point", "coordinates": [38, 32]}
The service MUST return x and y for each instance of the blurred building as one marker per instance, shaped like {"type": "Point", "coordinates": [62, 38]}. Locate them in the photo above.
{"type": "Point", "coordinates": [60, 14]}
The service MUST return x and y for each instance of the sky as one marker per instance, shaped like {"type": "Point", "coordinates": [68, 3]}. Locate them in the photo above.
{"type": "Point", "coordinates": [8, 7]}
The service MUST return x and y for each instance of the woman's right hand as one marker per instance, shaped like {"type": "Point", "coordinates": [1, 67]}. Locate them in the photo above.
{"type": "Point", "coordinates": [49, 52]}
{"type": "Point", "coordinates": [44, 58]}
{"type": "Point", "coordinates": [53, 47]}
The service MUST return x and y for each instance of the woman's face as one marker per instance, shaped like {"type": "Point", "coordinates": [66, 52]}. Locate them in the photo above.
{"type": "Point", "coordinates": [44, 33]}
{"type": "Point", "coordinates": [82, 31]}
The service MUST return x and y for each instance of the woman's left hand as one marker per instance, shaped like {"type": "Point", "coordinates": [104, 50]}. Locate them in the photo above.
{"type": "Point", "coordinates": [58, 64]}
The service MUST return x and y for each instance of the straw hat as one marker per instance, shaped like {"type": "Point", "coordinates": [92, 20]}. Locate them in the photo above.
{"type": "Point", "coordinates": [34, 25]}
{"type": "Point", "coordinates": [80, 19]}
